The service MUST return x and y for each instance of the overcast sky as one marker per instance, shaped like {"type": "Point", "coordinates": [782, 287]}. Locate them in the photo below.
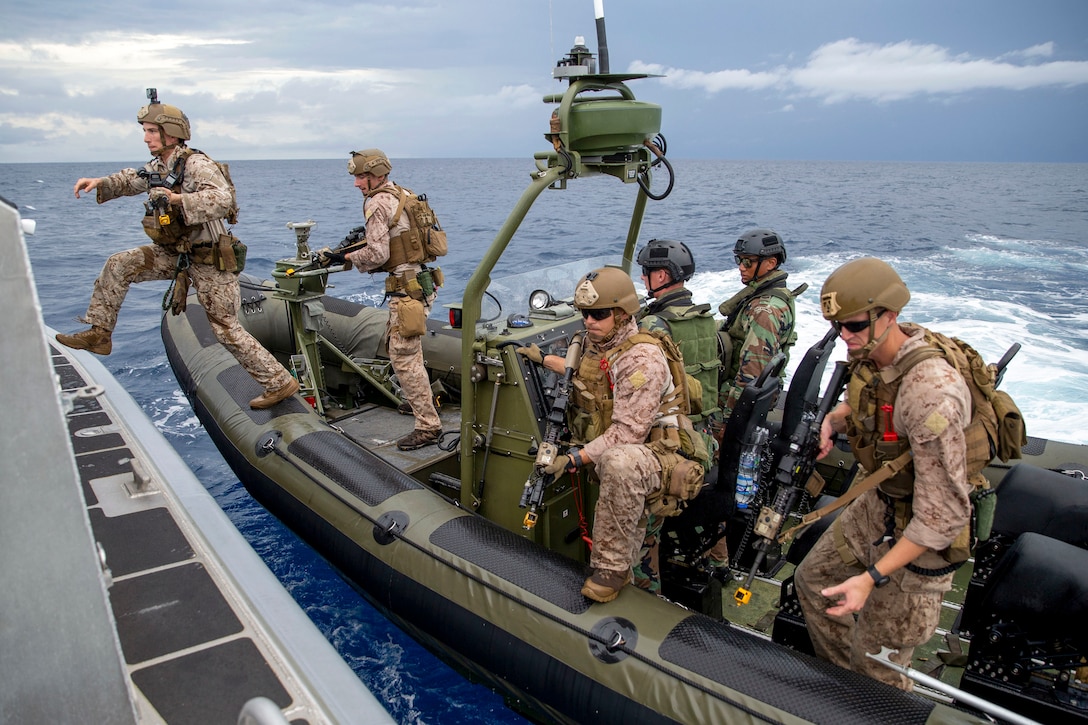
{"type": "Point", "coordinates": [928, 80]}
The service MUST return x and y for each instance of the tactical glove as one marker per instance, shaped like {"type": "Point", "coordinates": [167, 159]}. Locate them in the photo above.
{"type": "Point", "coordinates": [327, 257]}
{"type": "Point", "coordinates": [569, 462]}
{"type": "Point", "coordinates": [531, 353]}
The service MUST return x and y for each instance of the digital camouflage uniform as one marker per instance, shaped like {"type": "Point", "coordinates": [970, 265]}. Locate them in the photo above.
{"type": "Point", "coordinates": [629, 472]}
{"type": "Point", "coordinates": [405, 353]}
{"type": "Point", "coordinates": [206, 200]}
{"type": "Point", "coordinates": [759, 331]}
{"type": "Point", "coordinates": [932, 409]}
{"type": "Point", "coordinates": [698, 342]}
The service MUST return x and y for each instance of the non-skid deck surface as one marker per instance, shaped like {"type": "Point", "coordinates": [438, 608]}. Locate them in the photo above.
{"type": "Point", "coordinates": [378, 428]}
{"type": "Point", "coordinates": [187, 651]}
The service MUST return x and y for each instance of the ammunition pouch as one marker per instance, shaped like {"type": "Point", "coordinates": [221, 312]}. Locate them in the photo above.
{"type": "Point", "coordinates": [1011, 433]}
{"type": "Point", "coordinates": [166, 229]}
{"type": "Point", "coordinates": [681, 477]}
{"type": "Point", "coordinates": [420, 286]}
{"type": "Point", "coordinates": [411, 317]}
{"type": "Point", "coordinates": [229, 254]}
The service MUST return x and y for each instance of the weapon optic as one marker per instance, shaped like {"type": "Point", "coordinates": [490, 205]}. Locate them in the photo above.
{"type": "Point", "coordinates": [794, 469]}
{"type": "Point", "coordinates": [533, 493]}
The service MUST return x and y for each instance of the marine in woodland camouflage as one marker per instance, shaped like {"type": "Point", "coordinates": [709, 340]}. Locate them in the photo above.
{"type": "Point", "coordinates": [760, 332]}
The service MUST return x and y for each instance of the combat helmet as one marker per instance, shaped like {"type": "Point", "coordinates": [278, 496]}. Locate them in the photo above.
{"type": "Point", "coordinates": [168, 118]}
{"type": "Point", "coordinates": [670, 255]}
{"type": "Point", "coordinates": [862, 285]}
{"type": "Point", "coordinates": [605, 288]}
{"type": "Point", "coordinates": [369, 161]}
{"type": "Point", "coordinates": [760, 243]}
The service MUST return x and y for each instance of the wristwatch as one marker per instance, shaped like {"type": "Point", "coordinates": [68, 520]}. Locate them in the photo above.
{"type": "Point", "coordinates": [879, 579]}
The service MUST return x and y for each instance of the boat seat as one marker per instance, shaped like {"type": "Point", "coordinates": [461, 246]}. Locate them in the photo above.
{"type": "Point", "coordinates": [1030, 499]}
{"type": "Point", "coordinates": [1039, 574]}
{"type": "Point", "coordinates": [1031, 638]}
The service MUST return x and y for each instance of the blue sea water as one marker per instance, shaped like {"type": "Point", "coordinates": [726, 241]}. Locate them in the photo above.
{"type": "Point", "coordinates": [992, 253]}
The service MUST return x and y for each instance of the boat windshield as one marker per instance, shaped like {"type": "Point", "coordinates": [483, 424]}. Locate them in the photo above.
{"type": "Point", "coordinates": [511, 294]}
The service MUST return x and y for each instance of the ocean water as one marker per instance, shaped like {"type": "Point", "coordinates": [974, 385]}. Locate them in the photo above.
{"type": "Point", "coordinates": [992, 253]}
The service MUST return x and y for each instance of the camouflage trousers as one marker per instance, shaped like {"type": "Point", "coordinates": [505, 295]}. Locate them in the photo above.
{"type": "Point", "coordinates": [647, 569]}
{"type": "Point", "coordinates": [628, 474]}
{"type": "Point", "coordinates": [217, 291]}
{"type": "Point", "coordinates": [406, 355]}
{"type": "Point", "coordinates": [900, 615]}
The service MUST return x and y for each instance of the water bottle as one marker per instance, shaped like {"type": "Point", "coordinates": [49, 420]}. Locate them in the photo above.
{"type": "Point", "coordinates": [748, 471]}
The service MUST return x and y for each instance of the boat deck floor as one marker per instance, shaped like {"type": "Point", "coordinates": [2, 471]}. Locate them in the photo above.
{"type": "Point", "coordinates": [378, 428]}
{"type": "Point", "coordinates": [942, 657]}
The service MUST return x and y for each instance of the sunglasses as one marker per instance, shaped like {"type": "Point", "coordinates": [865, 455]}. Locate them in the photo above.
{"type": "Point", "coordinates": [854, 327]}
{"type": "Point", "coordinates": [746, 262]}
{"type": "Point", "coordinates": [597, 314]}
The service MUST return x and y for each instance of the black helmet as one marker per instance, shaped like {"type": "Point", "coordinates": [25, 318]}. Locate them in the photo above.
{"type": "Point", "coordinates": [760, 243]}
{"type": "Point", "coordinates": [670, 255]}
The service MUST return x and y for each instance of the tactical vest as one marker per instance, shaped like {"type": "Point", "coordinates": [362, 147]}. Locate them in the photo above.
{"type": "Point", "coordinates": [734, 323]}
{"type": "Point", "coordinates": [166, 227]}
{"type": "Point", "coordinates": [590, 412]}
{"type": "Point", "coordinates": [424, 240]}
{"type": "Point", "coordinates": [870, 390]}
{"type": "Point", "coordinates": [681, 450]}
{"type": "Point", "coordinates": [695, 331]}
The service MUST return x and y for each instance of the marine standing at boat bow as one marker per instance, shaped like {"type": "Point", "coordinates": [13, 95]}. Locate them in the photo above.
{"type": "Point", "coordinates": [189, 198]}
{"type": "Point", "coordinates": [880, 558]}
{"type": "Point", "coordinates": [410, 300]}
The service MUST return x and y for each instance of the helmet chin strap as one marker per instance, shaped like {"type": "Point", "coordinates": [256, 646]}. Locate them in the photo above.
{"type": "Point", "coordinates": [654, 290]}
{"type": "Point", "coordinates": [617, 324]}
{"type": "Point", "coordinates": [864, 351]}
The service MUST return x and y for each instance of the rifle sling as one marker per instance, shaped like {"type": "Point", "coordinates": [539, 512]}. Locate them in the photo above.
{"type": "Point", "coordinates": [872, 481]}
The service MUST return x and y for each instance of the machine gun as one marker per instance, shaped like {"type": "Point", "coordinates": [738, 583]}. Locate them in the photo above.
{"type": "Point", "coordinates": [533, 493]}
{"type": "Point", "coordinates": [794, 469]}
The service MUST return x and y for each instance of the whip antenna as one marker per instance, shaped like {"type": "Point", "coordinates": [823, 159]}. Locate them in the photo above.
{"type": "Point", "coordinates": [602, 40]}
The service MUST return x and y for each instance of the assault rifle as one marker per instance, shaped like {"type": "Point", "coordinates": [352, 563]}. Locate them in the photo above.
{"type": "Point", "coordinates": [325, 258]}
{"type": "Point", "coordinates": [533, 493]}
{"type": "Point", "coordinates": [794, 469]}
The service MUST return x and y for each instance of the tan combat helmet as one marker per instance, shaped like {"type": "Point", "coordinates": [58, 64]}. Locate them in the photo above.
{"type": "Point", "coordinates": [605, 288]}
{"type": "Point", "coordinates": [168, 118]}
{"type": "Point", "coordinates": [369, 161]}
{"type": "Point", "coordinates": [862, 285]}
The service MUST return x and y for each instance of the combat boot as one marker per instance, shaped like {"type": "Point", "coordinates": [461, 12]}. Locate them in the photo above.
{"type": "Point", "coordinates": [98, 340]}
{"type": "Point", "coordinates": [418, 439]}
{"type": "Point", "coordinates": [604, 585]}
{"type": "Point", "coordinates": [269, 398]}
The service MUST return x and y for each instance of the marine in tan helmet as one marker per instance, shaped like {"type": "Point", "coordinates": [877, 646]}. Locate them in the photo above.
{"type": "Point", "coordinates": [189, 199]}
{"type": "Point", "coordinates": [878, 574]}
{"type": "Point", "coordinates": [411, 287]}
{"type": "Point", "coordinates": [618, 390]}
